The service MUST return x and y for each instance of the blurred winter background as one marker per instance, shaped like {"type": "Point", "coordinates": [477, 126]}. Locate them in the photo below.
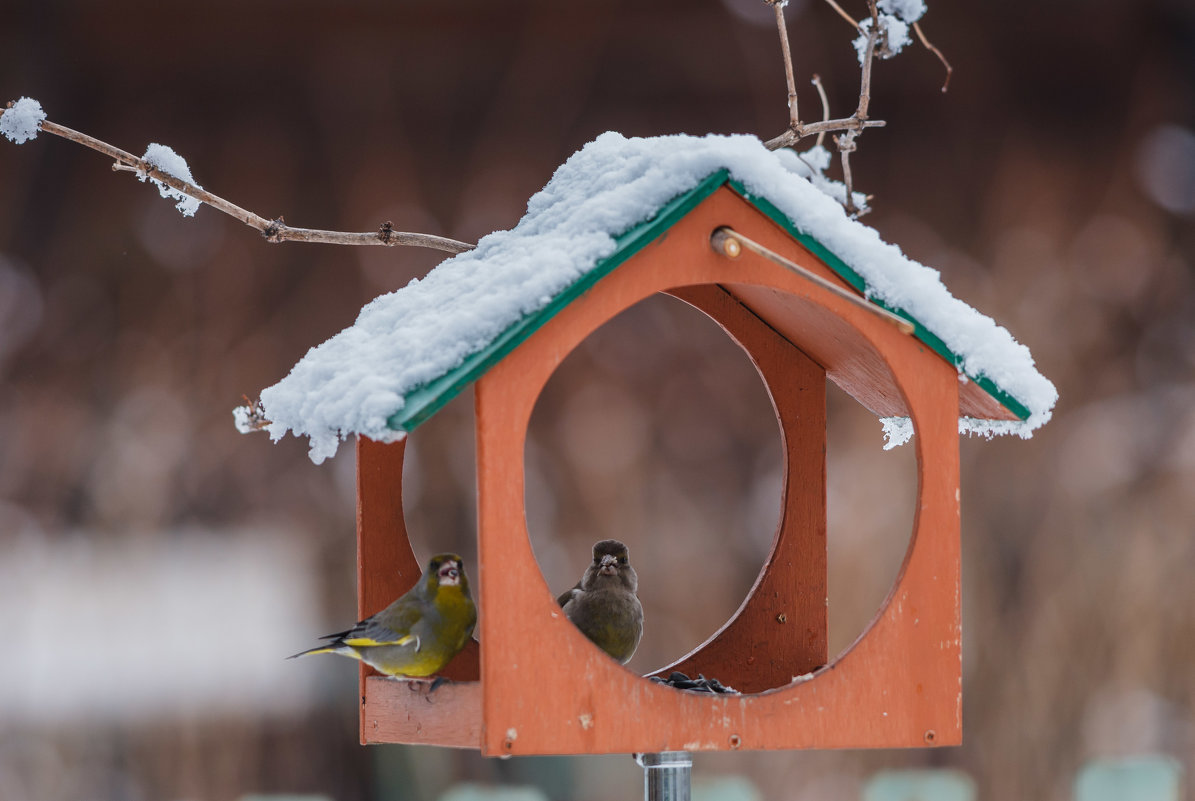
{"type": "Point", "coordinates": [156, 566]}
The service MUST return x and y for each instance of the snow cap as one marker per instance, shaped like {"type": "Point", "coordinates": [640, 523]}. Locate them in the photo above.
{"type": "Point", "coordinates": [358, 380]}
{"type": "Point", "coordinates": [19, 123]}
{"type": "Point", "coordinates": [165, 159]}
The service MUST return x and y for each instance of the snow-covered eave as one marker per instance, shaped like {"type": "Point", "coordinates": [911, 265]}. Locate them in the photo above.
{"type": "Point", "coordinates": [659, 180]}
{"type": "Point", "coordinates": [423, 402]}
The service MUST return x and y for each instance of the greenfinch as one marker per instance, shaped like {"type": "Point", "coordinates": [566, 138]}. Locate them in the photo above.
{"type": "Point", "coordinates": [603, 605]}
{"type": "Point", "coordinates": [418, 634]}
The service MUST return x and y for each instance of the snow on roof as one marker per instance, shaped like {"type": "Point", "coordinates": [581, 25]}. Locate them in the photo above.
{"type": "Point", "coordinates": [358, 380]}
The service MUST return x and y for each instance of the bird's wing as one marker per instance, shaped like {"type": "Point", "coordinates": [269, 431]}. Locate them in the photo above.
{"type": "Point", "coordinates": [391, 626]}
{"type": "Point", "coordinates": [568, 595]}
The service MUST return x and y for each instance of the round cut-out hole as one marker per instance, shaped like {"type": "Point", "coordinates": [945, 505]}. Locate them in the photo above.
{"type": "Point", "coordinates": [658, 432]}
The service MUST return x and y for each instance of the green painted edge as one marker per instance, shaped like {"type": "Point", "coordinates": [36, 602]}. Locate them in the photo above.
{"type": "Point", "coordinates": [847, 274]}
{"type": "Point", "coordinates": [424, 401]}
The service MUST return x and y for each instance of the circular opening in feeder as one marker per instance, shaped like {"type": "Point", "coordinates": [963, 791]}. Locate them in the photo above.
{"type": "Point", "coordinates": [871, 497]}
{"type": "Point", "coordinates": [657, 431]}
{"type": "Point", "coordinates": [439, 486]}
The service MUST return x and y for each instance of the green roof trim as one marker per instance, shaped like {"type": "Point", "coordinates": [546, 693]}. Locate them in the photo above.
{"type": "Point", "coordinates": [424, 401]}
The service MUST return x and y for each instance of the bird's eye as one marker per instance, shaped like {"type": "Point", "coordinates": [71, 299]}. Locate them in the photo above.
{"type": "Point", "coordinates": [622, 560]}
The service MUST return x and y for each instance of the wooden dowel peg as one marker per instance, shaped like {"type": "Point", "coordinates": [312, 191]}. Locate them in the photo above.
{"type": "Point", "coordinates": [731, 243]}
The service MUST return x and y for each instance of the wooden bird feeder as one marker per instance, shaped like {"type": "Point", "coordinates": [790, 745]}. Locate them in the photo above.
{"type": "Point", "coordinates": [517, 691]}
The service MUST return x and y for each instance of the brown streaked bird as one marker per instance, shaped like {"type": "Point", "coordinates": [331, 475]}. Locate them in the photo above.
{"type": "Point", "coordinates": [603, 605]}
{"type": "Point", "coordinates": [418, 634]}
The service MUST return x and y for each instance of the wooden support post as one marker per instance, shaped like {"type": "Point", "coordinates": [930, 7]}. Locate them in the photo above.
{"type": "Point", "coordinates": [386, 568]}
{"type": "Point", "coordinates": [780, 630]}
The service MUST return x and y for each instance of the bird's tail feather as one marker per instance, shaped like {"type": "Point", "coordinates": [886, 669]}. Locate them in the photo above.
{"type": "Point", "coordinates": [343, 650]}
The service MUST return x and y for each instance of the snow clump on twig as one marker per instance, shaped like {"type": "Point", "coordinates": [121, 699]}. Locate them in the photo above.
{"type": "Point", "coordinates": [19, 122]}
{"type": "Point", "coordinates": [171, 163]}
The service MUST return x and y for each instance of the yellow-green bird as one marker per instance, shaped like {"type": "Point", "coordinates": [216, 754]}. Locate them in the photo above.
{"type": "Point", "coordinates": [419, 633]}
{"type": "Point", "coordinates": [603, 605]}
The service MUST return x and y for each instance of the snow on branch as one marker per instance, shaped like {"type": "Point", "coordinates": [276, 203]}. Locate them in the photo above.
{"type": "Point", "coordinates": [882, 35]}
{"type": "Point", "coordinates": [22, 120]}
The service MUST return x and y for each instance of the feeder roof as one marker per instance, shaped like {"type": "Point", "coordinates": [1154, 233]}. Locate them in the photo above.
{"type": "Point", "coordinates": [412, 350]}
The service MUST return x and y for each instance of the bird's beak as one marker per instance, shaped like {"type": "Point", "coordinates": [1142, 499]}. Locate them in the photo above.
{"type": "Point", "coordinates": [450, 574]}
{"type": "Point", "coordinates": [608, 565]}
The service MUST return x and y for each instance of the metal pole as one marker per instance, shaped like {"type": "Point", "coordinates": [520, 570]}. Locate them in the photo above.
{"type": "Point", "coordinates": [666, 775]}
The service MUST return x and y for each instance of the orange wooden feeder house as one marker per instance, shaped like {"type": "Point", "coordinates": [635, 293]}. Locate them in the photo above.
{"type": "Point", "coordinates": [795, 308]}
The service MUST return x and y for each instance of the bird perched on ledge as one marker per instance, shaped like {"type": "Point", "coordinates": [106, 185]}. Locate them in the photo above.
{"type": "Point", "coordinates": [603, 605]}
{"type": "Point", "coordinates": [419, 633]}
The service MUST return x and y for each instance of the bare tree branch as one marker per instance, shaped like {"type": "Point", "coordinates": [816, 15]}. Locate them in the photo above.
{"type": "Point", "coordinates": [848, 128]}
{"type": "Point", "coordinates": [790, 138]}
{"type": "Point", "coordinates": [843, 13]}
{"type": "Point", "coordinates": [794, 119]}
{"type": "Point", "coordinates": [846, 142]}
{"type": "Point", "coordinates": [272, 230]}
{"type": "Point", "coordinates": [846, 146]}
{"type": "Point", "coordinates": [854, 124]}
{"type": "Point", "coordinates": [868, 60]}
{"type": "Point", "coordinates": [936, 52]}
{"type": "Point", "coordinates": [821, 91]}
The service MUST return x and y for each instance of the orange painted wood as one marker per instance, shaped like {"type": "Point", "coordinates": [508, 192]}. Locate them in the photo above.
{"type": "Point", "coordinates": [548, 690]}
{"type": "Point", "coordinates": [404, 712]}
{"type": "Point", "coordinates": [780, 631]}
{"type": "Point", "coordinates": [386, 564]}
{"type": "Point", "coordinates": [974, 401]}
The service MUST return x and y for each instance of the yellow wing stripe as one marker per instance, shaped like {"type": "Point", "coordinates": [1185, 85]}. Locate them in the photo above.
{"type": "Point", "coordinates": [358, 642]}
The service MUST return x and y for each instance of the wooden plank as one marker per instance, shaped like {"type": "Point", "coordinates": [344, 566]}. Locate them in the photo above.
{"type": "Point", "coordinates": [833, 343]}
{"type": "Point", "coordinates": [1003, 405]}
{"type": "Point", "coordinates": [780, 630]}
{"type": "Point", "coordinates": [386, 564]}
{"type": "Point", "coordinates": [548, 690]}
{"type": "Point", "coordinates": [405, 712]}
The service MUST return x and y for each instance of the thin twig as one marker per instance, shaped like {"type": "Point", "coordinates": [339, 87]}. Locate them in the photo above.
{"type": "Point", "coordinates": [868, 60]}
{"type": "Point", "coordinates": [845, 124]}
{"type": "Point", "coordinates": [843, 14]}
{"type": "Point", "coordinates": [853, 124]}
{"type": "Point", "coordinates": [846, 146]}
{"type": "Point", "coordinates": [790, 137]}
{"type": "Point", "coordinates": [846, 142]}
{"type": "Point", "coordinates": [794, 120]}
{"type": "Point", "coordinates": [848, 128]}
{"type": "Point", "coordinates": [936, 52]}
{"type": "Point", "coordinates": [821, 91]}
{"type": "Point", "coordinates": [786, 139]}
{"type": "Point", "coordinates": [272, 230]}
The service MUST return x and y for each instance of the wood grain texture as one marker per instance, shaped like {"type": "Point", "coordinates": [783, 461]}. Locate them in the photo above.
{"type": "Point", "coordinates": [780, 631]}
{"type": "Point", "coordinates": [405, 712]}
{"type": "Point", "coordinates": [386, 563]}
{"type": "Point", "coordinates": [547, 690]}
